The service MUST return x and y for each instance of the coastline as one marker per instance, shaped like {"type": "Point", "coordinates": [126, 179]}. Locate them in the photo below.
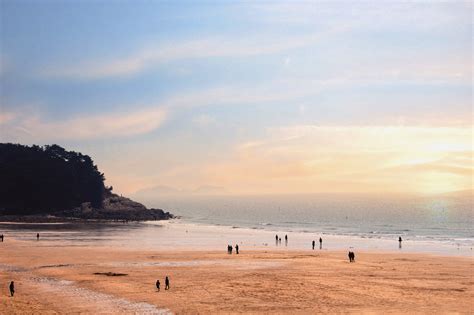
{"type": "Point", "coordinates": [178, 234]}
{"type": "Point", "coordinates": [214, 237]}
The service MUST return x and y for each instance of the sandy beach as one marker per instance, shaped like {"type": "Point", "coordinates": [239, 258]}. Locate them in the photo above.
{"type": "Point", "coordinates": [52, 279]}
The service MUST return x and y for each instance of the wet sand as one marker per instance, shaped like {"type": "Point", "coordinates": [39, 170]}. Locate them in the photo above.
{"type": "Point", "coordinates": [60, 279]}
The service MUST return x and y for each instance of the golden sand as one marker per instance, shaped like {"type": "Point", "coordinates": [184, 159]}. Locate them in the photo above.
{"type": "Point", "coordinates": [61, 280]}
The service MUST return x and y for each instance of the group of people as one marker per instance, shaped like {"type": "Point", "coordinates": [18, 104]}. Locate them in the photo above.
{"type": "Point", "coordinates": [229, 249]}
{"type": "Point", "coordinates": [320, 243]}
{"type": "Point", "coordinates": [351, 256]}
{"type": "Point", "coordinates": [167, 284]}
{"type": "Point", "coordinates": [278, 240]}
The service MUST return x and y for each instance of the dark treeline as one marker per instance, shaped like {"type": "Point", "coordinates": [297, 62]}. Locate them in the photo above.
{"type": "Point", "coordinates": [36, 179]}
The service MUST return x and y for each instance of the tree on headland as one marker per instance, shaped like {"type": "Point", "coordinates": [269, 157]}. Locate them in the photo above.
{"type": "Point", "coordinates": [35, 180]}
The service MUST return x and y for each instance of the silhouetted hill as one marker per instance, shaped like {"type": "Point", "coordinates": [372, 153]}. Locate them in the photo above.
{"type": "Point", "coordinates": [50, 181]}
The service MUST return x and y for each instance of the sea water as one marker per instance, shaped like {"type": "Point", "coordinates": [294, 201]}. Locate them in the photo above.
{"type": "Point", "coordinates": [446, 219]}
{"type": "Point", "coordinates": [426, 224]}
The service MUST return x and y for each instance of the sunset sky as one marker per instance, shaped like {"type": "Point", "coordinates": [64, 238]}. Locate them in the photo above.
{"type": "Point", "coordinates": [262, 97]}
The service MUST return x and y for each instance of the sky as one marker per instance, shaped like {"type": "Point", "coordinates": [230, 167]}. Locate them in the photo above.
{"type": "Point", "coordinates": [263, 97]}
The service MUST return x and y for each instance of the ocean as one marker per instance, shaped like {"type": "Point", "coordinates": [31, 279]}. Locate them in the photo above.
{"type": "Point", "coordinates": [446, 219]}
{"type": "Point", "coordinates": [441, 225]}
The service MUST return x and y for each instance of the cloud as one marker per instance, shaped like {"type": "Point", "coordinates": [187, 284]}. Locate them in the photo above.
{"type": "Point", "coordinates": [414, 15]}
{"type": "Point", "coordinates": [87, 127]}
{"type": "Point", "coordinates": [6, 117]}
{"type": "Point", "coordinates": [307, 158]}
{"type": "Point", "coordinates": [295, 92]}
{"type": "Point", "coordinates": [151, 56]}
{"type": "Point", "coordinates": [204, 120]}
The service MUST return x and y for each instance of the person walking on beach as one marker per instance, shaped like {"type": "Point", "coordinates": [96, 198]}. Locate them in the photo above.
{"type": "Point", "coordinates": [399, 242]}
{"type": "Point", "coordinates": [37, 236]}
{"type": "Point", "coordinates": [286, 240]}
{"type": "Point", "coordinates": [351, 256]}
{"type": "Point", "coordinates": [12, 288]}
{"type": "Point", "coordinates": [276, 239]}
{"type": "Point", "coordinates": [158, 285]}
{"type": "Point", "coordinates": [1, 237]}
{"type": "Point", "coordinates": [237, 249]}
{"type": "Point", "coordinates": [167, 283]}
{"type": "Point", "coordinates": [314, 243]}
{"type": "Point", "coordinates": [320, 243]}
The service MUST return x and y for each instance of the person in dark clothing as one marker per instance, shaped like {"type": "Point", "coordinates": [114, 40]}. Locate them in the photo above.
{"type": "Point", "coordinates": [351, 256]}
{"type": "Point", "coordinates": [320, 243]}
{"type": "Point", "coordinates": [158, 285]}
{"type": "Point", "coordinates": [12, 288]}
{"type": "Point", "coordinates": [167, 283]}
{"type": "Point", "coordinates": [1, 237]}
{"type": "Point", "coordinates": [237, 249]}
{"type": "Point", "coordinates": [276, 239]}
{"type": "Point", "coordinates": [314, 243]}
{"type": "Point", "coordinates": [399, 242]}
{"type": "Point", "coordinates": [37, 236]}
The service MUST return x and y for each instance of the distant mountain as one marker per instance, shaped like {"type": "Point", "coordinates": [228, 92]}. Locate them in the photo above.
{"type": "Point", "coordinates": [170, 191]}
{"type": "Point", "coordinates": [210, 190]}
{"type": "Point", "coordinates": [158, 190]}
{"type": "Point", "coordinates": [50, 181]}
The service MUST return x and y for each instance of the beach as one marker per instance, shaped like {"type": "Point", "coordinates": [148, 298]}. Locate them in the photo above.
{"type": "Point", "coordinates": [59, 277]}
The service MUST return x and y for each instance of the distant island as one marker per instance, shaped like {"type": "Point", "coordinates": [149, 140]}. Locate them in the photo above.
{"type": "Point", "coordinates": [48, 184]}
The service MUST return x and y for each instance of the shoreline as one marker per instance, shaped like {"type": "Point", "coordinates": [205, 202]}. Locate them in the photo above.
{"type": "Point", "coordinates": [182, 235]}
{"type": "Point", "coordinates": [301, 240]}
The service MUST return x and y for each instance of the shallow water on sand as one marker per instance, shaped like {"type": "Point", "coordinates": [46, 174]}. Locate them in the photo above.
{"type": "Point", "coordinates": [182, 235]}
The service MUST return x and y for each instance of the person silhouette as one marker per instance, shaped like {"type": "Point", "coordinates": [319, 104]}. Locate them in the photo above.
{"type": "Point", "coordinates": [399, 242]}
{"type": "Point", "coordinates": [276, 239]}
{"type": "Point", "coordinates": [167, 283]}
{"type": "Point", "coordinates": [286, 240]}
{"type": "Point", "coordinates": [351, 256]}
{"type": "Point", "coordinates": [158, 285]}
{"type": "Point", "coordinates": [12, 288]}
{"type": "Point", "coordinates": [37, 236]}
{"type": "Point", "coordinates": [237, 249]}
{"type": "Point", "coordinates": [314, 243]}
{"type": "Point", "coordinates": [320, 243]}
{"type": "Point", "coordinates": [1, 237]}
